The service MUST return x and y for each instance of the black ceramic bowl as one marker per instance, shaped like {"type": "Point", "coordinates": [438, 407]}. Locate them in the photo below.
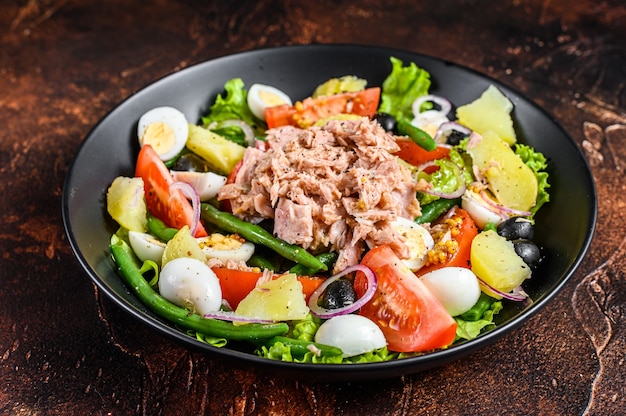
{"type": "Point", "coordinates": [564, 226]}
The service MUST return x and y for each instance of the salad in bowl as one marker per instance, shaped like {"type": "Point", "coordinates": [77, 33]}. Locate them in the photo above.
{"type": "Point", "coordinates": [363, 223]}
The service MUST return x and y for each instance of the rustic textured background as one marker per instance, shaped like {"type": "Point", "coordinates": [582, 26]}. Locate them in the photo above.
{"type": "Point", "coordinates": [64, 349]}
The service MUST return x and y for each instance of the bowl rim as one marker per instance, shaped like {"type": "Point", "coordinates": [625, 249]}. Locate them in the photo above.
{"type": "Point", "coordinates": [330, 372]}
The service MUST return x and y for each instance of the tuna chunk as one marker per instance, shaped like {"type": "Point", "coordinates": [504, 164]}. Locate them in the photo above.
{"type": "Point", "coordinates": [336, 187]}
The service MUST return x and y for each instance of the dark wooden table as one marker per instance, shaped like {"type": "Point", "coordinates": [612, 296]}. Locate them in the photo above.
{"type": "Point", "coordinates": [65, 349]}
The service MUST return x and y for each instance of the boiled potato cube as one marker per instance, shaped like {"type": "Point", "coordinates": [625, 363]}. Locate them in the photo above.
{"type": "Point", "coordinates": [494, 260]}
{"type": "Point", "coordinates": [280, 299]}
{"type": "Point", "coordinates": [220, 153]}
{"type": "Point", "coordinates": [512, 182]}
{"type": "Point", "coordinates": [491, 111]}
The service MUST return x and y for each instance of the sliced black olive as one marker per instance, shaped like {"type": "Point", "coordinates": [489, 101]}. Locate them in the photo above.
{"type": "Point", "coordinates": [516, 228]}
{"type": "Point", "coordinates": [387, 121]}
{"type": "Point", "coordinates": [338, 294]}
{"type": "Point", "coordinates": [528, 251]}
{"type": "Point", "coordinates": [191, 163]}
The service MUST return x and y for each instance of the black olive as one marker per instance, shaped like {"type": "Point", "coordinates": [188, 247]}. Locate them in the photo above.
{"type": "Point", "coordinates": [455, 137]}
{"type": "Point", "coordinates": [516, 228]}
{"type": "Point", "coordinates": [338, 294]}
{"type": "Point", "coordinates": [528, 251]}
{"type": "Point", "coordinates": [387, 121]}
{"type": "Point", "coordinates": [191, 163]}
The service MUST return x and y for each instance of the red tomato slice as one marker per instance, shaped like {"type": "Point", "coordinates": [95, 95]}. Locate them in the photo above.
{"type": "Point", "coordinates": [462, 229]}
{"type": "Point", "coordinates": [173, 209]}
{"type": "Point", "coordinates": [411, 318]}
{"type": "Point", "coordinates": [236, 284]}
{"type": "Point", "coordinates": [416, 155]}
{"type": "Point", "coordinates": [308, 111]}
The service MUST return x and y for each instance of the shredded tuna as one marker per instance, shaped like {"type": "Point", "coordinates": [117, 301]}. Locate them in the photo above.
{"type": "Point", "coordinates": [336, 187]}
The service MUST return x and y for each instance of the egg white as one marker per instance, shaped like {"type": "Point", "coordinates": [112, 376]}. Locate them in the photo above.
{"type": "Point", "coordinates": [146, 246]}
{"type": "Point", "coordinates": [241, 251]}
{"type": "Point", "coordinates": [417, 239]}
{"type": "Point", "coordinates": [206, 184]}
{"type": "Point", "coordinates": [190, 283]}
{"type": "Point", "coordinates": [353, 334]}
{"type": "Point", "coordinates": [166, 129]}
{"type": "Point", "coordinates": [262, 96]}
{"type": "Point", "coordinates": [457, 288]}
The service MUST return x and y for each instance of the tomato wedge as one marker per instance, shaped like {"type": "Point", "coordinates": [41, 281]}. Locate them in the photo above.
{"type": "Point", "coordinates": [305, 113]}
{"type": "Point", "coordinates": [171, 208]}
{"type": "Point", "coordinates": [458, 224]}
{"type": "Point", "coordinates": [416, 155]}
{"type": "Point", "coordinates": [411, 318]}
{"type": "Point", "coordinates": [236, 284]}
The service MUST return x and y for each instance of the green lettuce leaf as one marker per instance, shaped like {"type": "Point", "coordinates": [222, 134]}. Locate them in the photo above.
{"type": "Point", "coordinates": [537, 162]}
{"type": "Point", "coordinates": [400, 89]}
{"type": "Point", "coordinates": [214, 341]}
{"type": "Point", "coordinates": [233, 105]}
{"type": "Point", "coordinates": [471, 329]}
{"type": "Point", "coordinates": [281, 352]}
{"type": "Point", "coordinates": [444, 179]}
{"type": "Point", "coordinates": [305, 330]}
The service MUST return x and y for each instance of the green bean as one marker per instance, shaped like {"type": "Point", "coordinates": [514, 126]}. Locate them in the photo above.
{"type": "Point", "coordinates": [125, 260]}
{"type": "Point", "coordinates": [262, 263]}
{"type": "Point", "coordinates": [417, 135]}
{"type": "Point", "coordinates": [327, 258]}
{"type": "Point", "coordinates": [258, 235]}
{"type": "Point", "coordinates": [300, 347]}
{"type": "Point", "coordinates": [432, 210]}
{"type": "Point", "coordinates": [480, 307]}
{"type": "Point", "coordinates": [157, 228]}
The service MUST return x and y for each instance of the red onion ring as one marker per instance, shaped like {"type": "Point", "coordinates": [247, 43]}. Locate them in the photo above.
{"type": "Point", "coordinates": [517, 295]}
{"type": "Point", "coordinates": [475, 198]}
{"type": "Point", "coordinates": [444, 104]}
{"type": "Point", "coordinates": [450, 126]}
{"type": "Point", "coordinates": [323, 313]}
{"type": "Point", "coordinates": [189, 192]}
{"type": "Point", "coordinates": [233, 317]}
{"type": "Point", "coordinates": [245, 128]}
{"type": "Point", "coordinates": [460, 190]}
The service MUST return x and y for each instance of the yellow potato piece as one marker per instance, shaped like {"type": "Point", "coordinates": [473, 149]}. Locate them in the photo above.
{"type": "Point", "coordinates": [347, 83]}
{"type": "Point", "coordinates": [183, 244]}
{"type": "Point", "coordinates": [220, 153]}
{"type": "Point", "coordinates": [509, 179]}
{"type": "Point", "coordinates": [280, 299]}
{"type": "Point", "coordinates": [494, 260]}
{"type": "Point", "coordinates": [126, 203]}
{"type": "Point", "coordinates": [491, 111]}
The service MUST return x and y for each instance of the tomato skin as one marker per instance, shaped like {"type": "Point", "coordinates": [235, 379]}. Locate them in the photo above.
{"type": "Point", "coordinates": [467, 232]}
{"type": "Point", "coordinates": [411, 318]}
{"type": "Point", "coordinates": [236, 284]}
{"type": "Point", "coordinates": [308, 111]}
{"type": "Point", "coordinates": [416, 155]}
{"type": "Point", "coordinates": [173, 209]}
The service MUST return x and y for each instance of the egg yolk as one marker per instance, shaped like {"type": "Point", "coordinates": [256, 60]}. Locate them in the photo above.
{"type": "Point", "coordinates": [270, 99]}
{"type": "Point", "coordinates": [218, 241]}
{"type": "Point", "coordinates": [160, 136]}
